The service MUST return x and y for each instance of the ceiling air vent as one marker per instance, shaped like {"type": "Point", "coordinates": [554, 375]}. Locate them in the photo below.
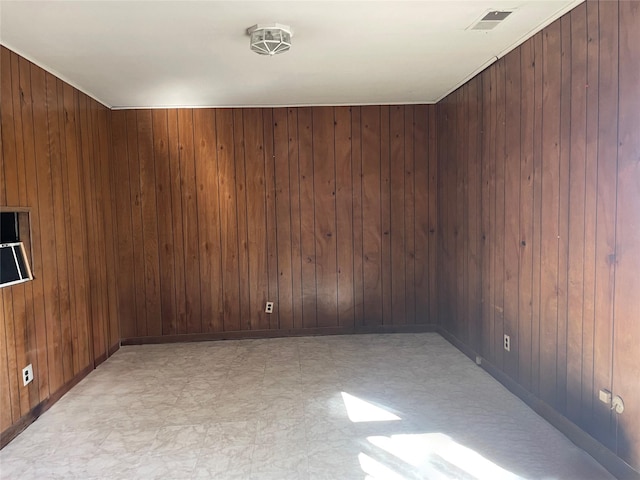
{"type": "Point", "coordinates": [490, 20]}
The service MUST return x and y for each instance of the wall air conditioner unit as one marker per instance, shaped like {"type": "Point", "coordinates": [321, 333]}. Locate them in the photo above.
{"type": "Point", "coordinates": [14, 264]}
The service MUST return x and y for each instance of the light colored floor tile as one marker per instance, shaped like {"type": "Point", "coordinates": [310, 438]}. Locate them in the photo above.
{"type": "Point", "coordinates": [278, 430]}
{"type": "Point", "coordinates": [281, 460]}
{"type": "Point", "coordinates": [122, 441]}
{"type": "Point", "coordinates": [230, 434]}
{"type": "Point", "coordinates": [174, 467]}
{"type": "Point", "coordinates": [220, 462]}
{"type": "Point", "coordinates": [183, 440]}
{"type": "Point", "coordinates": [274, 409]}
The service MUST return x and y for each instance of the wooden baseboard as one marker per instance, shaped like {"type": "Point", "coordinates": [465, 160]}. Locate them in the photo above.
{"type": "Point", "coordinates": [14, 430]}
{"type": "Point", "coordinates": [609, 460]}
{"type": "Point", "coordinates": [257, 334]}
{"type": "Point", "coordinates": [114, 348]}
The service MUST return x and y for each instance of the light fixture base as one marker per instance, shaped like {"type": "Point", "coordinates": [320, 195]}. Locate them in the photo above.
{"type": "Point", "coordinates": [270, 39]}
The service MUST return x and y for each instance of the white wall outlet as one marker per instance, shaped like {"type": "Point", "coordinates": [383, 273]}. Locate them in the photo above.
{"type": "Point", "coordinates": [27, 375]}
{"type": "Point", "coordinates": [507, 343]}
{"type": "Point", "coordinates": [605, 396]}
{"type": "Point", "coordinates": [269, 307]}
{"type": "Point", "coordinates": [478, 360]}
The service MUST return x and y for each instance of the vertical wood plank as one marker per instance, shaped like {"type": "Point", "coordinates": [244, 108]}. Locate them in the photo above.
{"type": "Point", "coordinates": [576, 224]}
{"type": "Point", "coordinates": [136, 223]}
{"type": "Point", "coordinates": [537, 219]}
{"type": "Point", "coordinates": [10, 187]}
{"type": "Point", "coordinates": [284, 213]}
{"type": "Point", "coordinates": [491, 205]}
{"type": "Point", "coordinates": [146, 156]}
{"type": "Point", "coordinates": [6, 411]}
{"type": "Point", "coordinates": [371, 220]}
{"type": "Point", "coordinates": [324, 188]}
{"type": "Point", "coordinates": [356, 176]}
{"type": "Point", "coordinates": [126, 276]}
{"type": "Point", "coordinates": [307, 218]}
{"type": "Point", "coordinates": [10, 347]}
{"type": "Point", "coordinates": [228, 220]}
{"type": "Point", "coordinates": [208, 219]}
{"type": "Point", "coordinates": [591, 174]}
{"type": "Point", "coordinates": [434, 221]}
{"type": "Point", "coordinates": [97, 274]}
{"type": "Point", "coordinates": [56, 150]}
{"type": "Point", "coordinates": [177, 220]}
{"type": "Point", "coordinates": [385, 213]}
{"type": "Point", "coordinates": [499, 217]}
{"type": "Point", "coordinates": [409, 212]}
{"type": "Point", "coordinates": [397, 223]}
{"type": "Point", "coordinates": [344, 216]}
{"type": "Point", "coordinates": [446, 192]}
{"type": "Point", "coordinates": [3, 197]}
{"type": "Point", "coordinates": [47, 229]}
{"type": "Point", "coordinates": [243, 241]}
{"type": "Point", "coordinates": [484, 219]}
{"type": "Point", "coordinates": [165, 218]}
{"type": "Point", "coordinates": [190, 226]}
{"type": "Point", "coordinates": [525, 280]}
{"type": "Point", "coordinates": [106, 239]}
{"type": "Point", "coordinates": [605, 216]}
{"type": "Point", "coordinates": [550, 212]}
{"type": "Point", "coordinates": [111, 219]}
{"type": "Point", "coordinates": [72, 206]}
{"type": "Point", "coordinates": [295, 214]}
{"type": "Point", "coordinates": [474, 215]}
{"type": "Point", "coordinates": [256, 217]}
{"type": "Point", "coordinates": [512, 178]}
{"type": "Point", "coordinates": [271, 226]}
{"type": "Point", "coordinates": [563, 212]}
{"type": "Point", "coordinates": [460, 223]}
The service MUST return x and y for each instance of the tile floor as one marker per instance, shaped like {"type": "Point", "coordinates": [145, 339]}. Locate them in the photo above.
{"type": "Point", "coordinates": [344, 407]}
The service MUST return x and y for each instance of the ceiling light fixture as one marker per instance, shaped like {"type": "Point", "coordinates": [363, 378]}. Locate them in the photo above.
{"type": "Point", "coordinates": [270, 39]}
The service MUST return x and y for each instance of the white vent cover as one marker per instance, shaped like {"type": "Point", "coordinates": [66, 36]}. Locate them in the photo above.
{"type": "Point", "coordinates": [270, 39]}
{"type": "Point", "coordinates": [490, 20]}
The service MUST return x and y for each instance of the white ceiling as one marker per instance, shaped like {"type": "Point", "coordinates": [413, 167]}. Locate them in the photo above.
{"type": "Point", "coordinates": [185, 53]}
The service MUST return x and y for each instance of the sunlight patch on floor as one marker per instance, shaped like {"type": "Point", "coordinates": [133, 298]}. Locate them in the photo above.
{"type": "Point", "coordinates": [360, 410]}
{"type": "Point", "coordinates": [427, 450]}
{"type": "Point", "coordinates": [376, 470]}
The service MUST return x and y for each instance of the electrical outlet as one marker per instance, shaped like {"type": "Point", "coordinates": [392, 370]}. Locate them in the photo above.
{"type": "Point", "coordinates": [605, 396]}
{"type": "Point", "coordinates": [269, 307]}
{"type": "Point", "coordinates": [27, 375]}
{"type": "Point", "coordinates": [507, 343]}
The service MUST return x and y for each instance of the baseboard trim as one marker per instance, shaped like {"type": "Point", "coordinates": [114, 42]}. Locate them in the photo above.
{"type": "Point", "coordinates": [114, 348]}
{"type": "Point", "coordinates": [14, 430]}
{"type": "Point", "coordinates": [296, 332]}
{"type": "Point", "coordinates": [609, 460]}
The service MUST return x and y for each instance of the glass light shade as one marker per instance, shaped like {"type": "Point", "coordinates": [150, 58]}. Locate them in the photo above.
{"type": "Point", "coordinates": [270, 39]}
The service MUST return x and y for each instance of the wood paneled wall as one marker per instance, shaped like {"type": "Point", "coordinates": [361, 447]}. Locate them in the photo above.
{"type": "Point", "coordinates": [328, 212]}
{"type": "Point", "coordinates": [539, 197]}
{"type": "Point", "coordinates": [55, 161]}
